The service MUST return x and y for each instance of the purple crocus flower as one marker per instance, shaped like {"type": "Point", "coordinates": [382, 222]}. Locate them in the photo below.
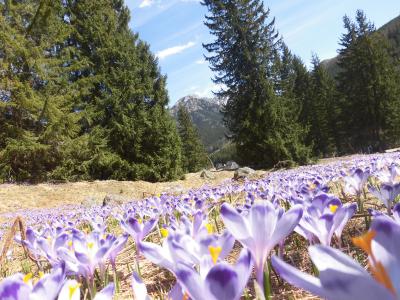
{"type": "Point", "coordinates": [115, 246]}
{"type": "Point", "coordinates": [138, 229]}
{"type": "Point", "coordinates": [355, 181]}
{"type": "Point", "coordinates": [323, 217]}
{"type": "Point", "coordinates": [389, 175]}
{"type": "Point", "coordinates": [261, 229]}
{"type": "Point", "coordinates": [179, 247]}
{"type": "Point", "coordinates": [387, 193]}
{"type": "Point", "coordinates": [20, 287]}
{"type": "Point", "coordinates": [85, 254]}
{"type": "Point", "coordinates": [340, 277]}
{"type": "Point", "coordinates": [222, 282]}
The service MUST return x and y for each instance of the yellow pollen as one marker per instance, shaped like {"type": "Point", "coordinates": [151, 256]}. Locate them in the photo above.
{"type": "Point", "coordinates": [72, 289]}
{"type": "Point", "coordinates": [90, 245]}
{"type": "Point", "coordinates": [70, 243]}
{"type": "Point", "coordinates": [27, 277]}
{"type": "Point", "coordinates": [333, 208]}
{"type": "Point", "coordinates": [41, 274]}
{"type": "Point", "coordinates": [214, 252]}
{"type": "Point", "coordinates": [164, 232]}
{"type": "Point", "coordinates": [140, 221]}
{"type": "Point", "coordinates": [210, 228]}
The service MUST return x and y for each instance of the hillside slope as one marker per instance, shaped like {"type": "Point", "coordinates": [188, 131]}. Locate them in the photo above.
{"type": "Point", "coordinates": [207, 117]}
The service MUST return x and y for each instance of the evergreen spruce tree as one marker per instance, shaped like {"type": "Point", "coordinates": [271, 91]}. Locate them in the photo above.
{"type": "Point", "coordinates": [246, 60]}
{"type": "Point", "coordinates": [122, 96]}
{"type": "Point", "coordinates": [194, 154]}
{"type": "Point", "coordinates": [322, 110]}
{"type": "Point", "coordinates": [82, 97]}
{"type": "Point", "coordinates": [367, 83]}
{"type": "Point", "coordinates": [35, 118]}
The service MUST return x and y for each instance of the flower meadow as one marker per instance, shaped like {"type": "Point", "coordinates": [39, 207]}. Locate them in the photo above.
{"type": "Point", "coordinates": [330, 230]}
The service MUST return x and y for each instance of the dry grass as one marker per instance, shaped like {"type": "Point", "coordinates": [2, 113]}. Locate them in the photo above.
{"type": "Point", "coordinates": [14, 197]}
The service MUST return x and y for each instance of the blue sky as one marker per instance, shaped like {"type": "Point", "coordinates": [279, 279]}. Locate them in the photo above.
{"type": "Point", "coordinates": [175, 31]}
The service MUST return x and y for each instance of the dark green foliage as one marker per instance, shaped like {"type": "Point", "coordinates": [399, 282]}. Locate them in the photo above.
{"type": "Point", "coordinates": [194, 156]}
{"type": "Point", "coordinates": [322, 111]}
{"type": "Point", "coordinates": [226, 153]}
{"type": "Point", "coordinates": [368, 83]}
{"type": "Point", "coordinates": [391, 31]}
{"type": "Point", "coordinates": [81, 96]}
{"type": "Point", "coordinates": [247, 61]}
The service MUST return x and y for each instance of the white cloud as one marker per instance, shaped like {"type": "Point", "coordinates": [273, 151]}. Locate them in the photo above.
{"type": "Point", "coordinates": [174, 50]}
{"type": "Point", "coordinates": [146, 3]}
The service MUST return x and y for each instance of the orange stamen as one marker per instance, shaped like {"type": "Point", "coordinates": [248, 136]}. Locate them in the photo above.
{"type": "Point", "coordinates": [382, 277]}
{"type": "Point", "coordinates": [378, 270]}
{"type": "Point", "coordinates": [364, 241]}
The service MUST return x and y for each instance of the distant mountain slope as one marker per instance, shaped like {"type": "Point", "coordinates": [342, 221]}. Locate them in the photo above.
{"type": "Point", "coordinates": [207, 117]}
{"type": "Point", "coordinates": [390, 30]}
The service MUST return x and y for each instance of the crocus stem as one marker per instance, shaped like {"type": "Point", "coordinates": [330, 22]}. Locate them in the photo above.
{"type": "Point", "coordinates": [116, 281]}
{"type": "Point", "coordinates": [137, 265]}
{"type": "Point", "coordinates": [267, 282]}
{"type": "Point", "coordinates": [215, 221]}
{"type": "Point", "coordinates": [91, 287]}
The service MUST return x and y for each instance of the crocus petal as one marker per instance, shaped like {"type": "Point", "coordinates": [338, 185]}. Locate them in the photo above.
{"type": "Point", "coordinates": [243, 268]}
{"type": "Point", "coordinates": [13, 288]}
{"type": "Point", "coordinates": [234, 222]}
{"type": "Point", "coordinates": [286, 224]}
{"type": "Point", "coordinates": [70, 291]}
{"type": "Point", "coordinates": [342, 216]}
{"type": "Point", "coordinates": [343, 278]}
{"type": "Point", "coordinates": [223, 282]}
{"type": "Point", "coordinates": [139, 288]}
{"type": "Point", "coordinates": [135, 225]}
{"type": "Point", "coordinates": [175, 293]}
{"type": "Point", "coordinates": [148, 226]}
{"type": "Point", "coordinates": [156, 254]}
{"type": "Point", "coordinates": [100, 254]}
{"type": "Point", "coordinates": [106, 293]}
{"type": "Point", "coordinates": [297, 278]}
{"type": "Point", "coordinates": [226, 242]}
{"type": "Point", "coordinates": [61, 240]}
{"type": "Point", "coordinates": [386, 247]}
{"type": "Point", "coordinates": [82, 258]}
{"type": "Point", "coordinates": [262, 216]}
{"type": "Point", "coordinates": [396, 212]}
{"type": "Point", "coordinates": [49, 286]}
{"type": "Point", "coordinates": [191, 282]}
